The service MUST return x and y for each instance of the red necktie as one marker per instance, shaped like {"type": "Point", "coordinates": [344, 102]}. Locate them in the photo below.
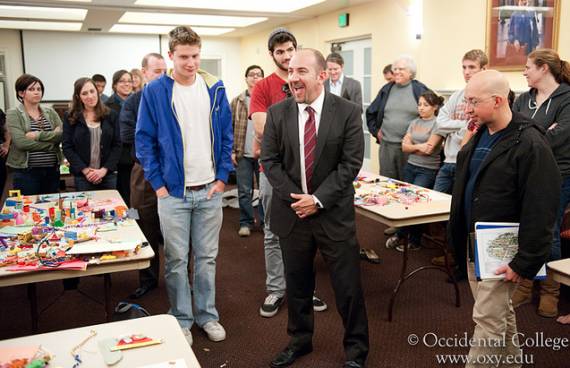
{"type": "Point", "coordinates": [310, 144]}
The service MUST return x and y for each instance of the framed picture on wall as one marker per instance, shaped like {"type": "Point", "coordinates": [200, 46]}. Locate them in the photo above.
{"type": "Point", "coordinates": [515, 28]}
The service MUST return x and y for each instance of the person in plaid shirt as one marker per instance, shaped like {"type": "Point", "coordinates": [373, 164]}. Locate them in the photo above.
{"type": "Point", "coordinates": [243, 157]}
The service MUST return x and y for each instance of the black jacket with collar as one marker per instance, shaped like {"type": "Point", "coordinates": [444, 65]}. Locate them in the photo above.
{"type": "Point", "coordinates": [375, 112]}
{"type": "Point", "coordinates": [77, 143]}
{"type": "Point", "coordinates": [518, 182]}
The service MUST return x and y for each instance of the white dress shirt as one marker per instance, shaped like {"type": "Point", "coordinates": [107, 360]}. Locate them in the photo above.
{"type": "Point", "coordinates": [317, 105]}
{"type": "Point", "coordinates": [336, 88]}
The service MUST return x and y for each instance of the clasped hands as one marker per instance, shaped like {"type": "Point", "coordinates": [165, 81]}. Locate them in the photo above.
{"type": "Point", "coordinates": [304, 206]}
{"type": "Point", "coordinates": [94, 176]}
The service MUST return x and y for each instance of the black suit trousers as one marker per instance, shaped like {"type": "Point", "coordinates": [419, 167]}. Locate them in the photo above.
{"type": "Point", "coordinates": [143, 198]}
{"type": "Point", "coordinates": [343, 262]}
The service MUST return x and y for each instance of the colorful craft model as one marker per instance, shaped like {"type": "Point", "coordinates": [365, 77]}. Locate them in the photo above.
{"type": "Point", "coordinates": [134, 341]}
{"type": "Point", "coordinates": [24, 357]}
{"type": "Point", "coordinates": [377, 192]}
{"type": "Point", "coordinates": [38, 231]}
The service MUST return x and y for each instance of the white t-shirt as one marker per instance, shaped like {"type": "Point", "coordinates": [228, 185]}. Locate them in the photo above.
{"type": "Point", "coordinates": [192, 104]}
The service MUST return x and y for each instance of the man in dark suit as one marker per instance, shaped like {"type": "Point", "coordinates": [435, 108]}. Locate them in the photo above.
{"type": "Point", "coordinates": [339, 84]}
{"type": "Point", "coordinates": [312, 150]}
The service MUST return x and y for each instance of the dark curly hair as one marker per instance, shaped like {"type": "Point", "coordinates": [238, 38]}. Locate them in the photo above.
{"type": "Point", "coordinates": [433, 99]}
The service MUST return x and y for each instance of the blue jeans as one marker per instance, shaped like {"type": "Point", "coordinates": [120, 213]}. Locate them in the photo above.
{"type": "Point", "coordinates": [201, 219]}
{"type": "Point", "coordinates": [445, 178]}
{"type": "Point", "coordinates": [37, 180]}
{"type": "Point", "coordinates": [247, 168]}
{"type": "Point", "coordinates": [556, 252]}
{"type": "Point", "coordinates": [424, 178]}
{"type": "Point", "coordinates": [275, 274]}
{"type": "Point", "coordinates": [109, 182]}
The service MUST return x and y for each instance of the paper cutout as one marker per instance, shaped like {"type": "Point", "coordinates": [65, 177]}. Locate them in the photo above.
{"type": "Point", "coordinates": [178, 363]}
{"type": "Point", "coordinates": [71, 265]}
{"type": "Point", "coordinates": [103, 246]}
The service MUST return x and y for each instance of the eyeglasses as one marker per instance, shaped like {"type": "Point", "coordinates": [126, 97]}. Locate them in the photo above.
{"type": "Point", "coordinates": [474, 102]}
{"type": "Point", "coordinates": [125, 81]}
{"type": "Point", "coordinates": [285, 89]}
{"type": "Point", "coordinates": [254, 75]}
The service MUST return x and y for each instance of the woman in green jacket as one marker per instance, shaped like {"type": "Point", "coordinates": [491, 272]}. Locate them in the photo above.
{"type": "Point", "coordinates": [35, 153]}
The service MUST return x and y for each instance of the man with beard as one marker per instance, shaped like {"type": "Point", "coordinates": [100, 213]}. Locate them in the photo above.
{"type": "Point", "coordinates": [282, 45]}
{"type": "Point", "coordinates": [312, 150]}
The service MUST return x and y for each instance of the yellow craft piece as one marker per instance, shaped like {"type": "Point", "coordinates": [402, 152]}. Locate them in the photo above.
{"type": "Point", "coordinates": [108, 257]}
{"type": "Point", "coordinates": [15, 193]}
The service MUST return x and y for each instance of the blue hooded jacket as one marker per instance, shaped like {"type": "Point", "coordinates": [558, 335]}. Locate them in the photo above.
{"type": "Point", "coordinates": [158, 138]}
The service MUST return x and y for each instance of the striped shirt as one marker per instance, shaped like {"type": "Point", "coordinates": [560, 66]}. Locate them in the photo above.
{"type": "Point", "coordinates": [484, 147]}
{"type": "Point", "coordinates": [41, 158]}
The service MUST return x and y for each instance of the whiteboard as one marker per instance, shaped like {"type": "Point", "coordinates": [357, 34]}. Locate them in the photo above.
{"type": "Point", "coordinates": [60, 58]}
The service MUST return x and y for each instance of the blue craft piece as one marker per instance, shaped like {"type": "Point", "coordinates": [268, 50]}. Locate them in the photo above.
{"type": "Point", "coordinates": [70, 235]}
{"type": "Point", "coordinates": [10, 203]}
{"type": "Point", "coordinates": [6, 216]}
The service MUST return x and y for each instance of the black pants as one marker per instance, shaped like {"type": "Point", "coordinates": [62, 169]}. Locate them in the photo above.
{"type": "Point", "coordinates": [124, 181]}
{"type": "Point", "coordinates": [36, 180]}
{"type": "Point", "coordinates": [343, 261]}
{"type": "Point", "coordinates": [3, 174]}
{"type": "Point", "coordinates": [143, 198]}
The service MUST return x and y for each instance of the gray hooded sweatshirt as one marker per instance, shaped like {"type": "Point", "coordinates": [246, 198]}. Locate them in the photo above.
{"type": "Point", "coordinates": [554, 116]}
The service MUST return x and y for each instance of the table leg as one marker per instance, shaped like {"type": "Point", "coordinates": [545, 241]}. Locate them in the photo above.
{"type": "Point", "coordinates": [108, 303]}
{"type": "Point", "coordinates": [404, 275]}
{"type": "Point", "coordinates": [32, 295]}
{"type": "Point", "coordinates": [450, 273]}
{"type": "Point", "coordinates": [400, 280]}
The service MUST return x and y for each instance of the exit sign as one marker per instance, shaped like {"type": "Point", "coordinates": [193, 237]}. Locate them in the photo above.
{"type": "Point", "coordinates": [343, 20]}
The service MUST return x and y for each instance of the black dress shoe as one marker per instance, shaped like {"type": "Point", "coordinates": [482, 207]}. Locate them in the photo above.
{"type": "Point", "coordinates": [288, 357]}
{"type": "Point", "coordinates": [139, 292]}
{"type": "Point", "coordinates": [352, 364]}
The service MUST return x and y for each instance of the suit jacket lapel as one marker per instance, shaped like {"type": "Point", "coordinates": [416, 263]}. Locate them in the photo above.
{"type": "Point", "coordinates": [343, 88]}
{"type": "Point", "coordinates": [292, 126]}
{"type": "Point", "coordinates": [327, 118]}
{"type": "Point", "coordinates": [327, 85]}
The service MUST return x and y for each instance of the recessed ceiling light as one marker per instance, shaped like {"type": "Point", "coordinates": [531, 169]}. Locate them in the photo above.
{"type": "Point", "coordinates": [191, 19]}
{"type": "Point", "coordinates": [36, 12]}
{"type": "Point", "coordinates": [153, 29]}
{"type": "Point", "coordinates": [44, 26]}
{"type": "Point", "coordinates": [243, 5]}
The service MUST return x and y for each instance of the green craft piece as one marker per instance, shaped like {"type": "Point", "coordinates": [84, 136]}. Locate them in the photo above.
{"type": "Point", "coordinates": [38, 363]}
{"type": "Point", "coordinates": [58, 223]}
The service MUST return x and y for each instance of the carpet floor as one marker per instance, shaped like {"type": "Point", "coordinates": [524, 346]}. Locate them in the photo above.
{"type": "Point", "coordinates": [424, 307]}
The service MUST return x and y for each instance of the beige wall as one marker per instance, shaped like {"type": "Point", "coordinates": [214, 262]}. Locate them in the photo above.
{"type": "Point", "coordinates": [10, 47]}
{"type": "Point", "coordinates": [450, 28]}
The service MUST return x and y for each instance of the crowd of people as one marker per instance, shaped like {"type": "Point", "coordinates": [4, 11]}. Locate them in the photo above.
{"type": "Point", "coordinates": [169, 141]}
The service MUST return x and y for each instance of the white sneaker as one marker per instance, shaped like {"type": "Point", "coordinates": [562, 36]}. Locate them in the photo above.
{"type": "Point", "coordinates": [319, 305]}
{"type": "Point", "coordinates": [187, 335]}
{"type": "Point", "coordinates": [271, 305]}
{"type": "Point", "coordinates": [215, 331]}
{"type": "Point", "coordinates": [244, 231]}
{"type": "Point", "coordinates": [392, 242]}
